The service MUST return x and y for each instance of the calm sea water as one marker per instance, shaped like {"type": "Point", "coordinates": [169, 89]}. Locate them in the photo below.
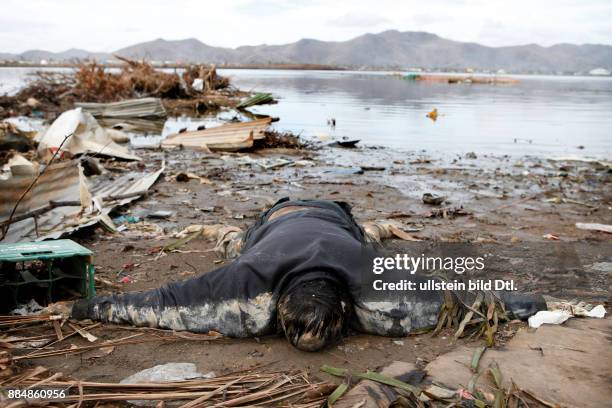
{"type": "Point", "coordinates": [544, 116]}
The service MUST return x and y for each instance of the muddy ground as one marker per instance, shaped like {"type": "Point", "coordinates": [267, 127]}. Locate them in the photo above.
{"type": "Point", "coordinates": [511, 204]}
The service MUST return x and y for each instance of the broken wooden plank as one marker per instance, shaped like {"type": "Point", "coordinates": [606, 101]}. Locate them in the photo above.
{"type": "Point", "coordinates": [230, 137]}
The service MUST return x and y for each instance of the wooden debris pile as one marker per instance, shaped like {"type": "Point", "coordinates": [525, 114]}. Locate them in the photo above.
{"type": "Point", "coordinates": [246, 388]}
{"type": "Point", "coordinates": [41, 336]}
{"type": "Point", "coordinates": [44, 335]}
{"type": "Point", "coordinates": [54, 92]}
{"type": "Point", "coordinates": [275, 139]}
{"type": "Point", "coordinates": [211, 81]}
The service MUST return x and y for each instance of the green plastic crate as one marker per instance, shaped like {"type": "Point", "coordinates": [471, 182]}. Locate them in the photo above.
{"type": "Point", "coordinates": [63, 261]}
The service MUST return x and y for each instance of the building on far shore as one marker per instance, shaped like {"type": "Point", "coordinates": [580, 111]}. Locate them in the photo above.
{"type": "Point", "coordinates": [599, 72]}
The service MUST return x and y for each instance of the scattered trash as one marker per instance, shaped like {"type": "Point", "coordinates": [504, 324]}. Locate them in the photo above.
{"type": "Point", "coordinates": [379, 230]}
{"type": "Point", "coordinates": [559, 312]}
{"type": "Point", "coordinates": [30, 308]}
{"type": "Point", "coordinates": [431, 199]}
{"type": "Point", "coordinates": [99, 352]}
{"type": "Point", "coordinates": [601, 267]}
{"type": "Point", "coordinates": [118, 136]}
{"type": "Point", "coordinates": [126, 279]}
{"type": "Point", "coordinates": [345, 170]}
{"type": "Point", "coordinates": [551, 237]}
{"type": "Point", "coordinates": [266, 163]}
{"type": "Point", "coordinates": [12, 138]}
{"type": "Point", "coordinates": [166, 372]}
{"type": "Point", "coordinates": [548, 317]}
{"type": "Point", "coordinates": [594, 227]}
{"type": "Point", "coordinates": [184, 177]}
{"type": "Point", "coordinates": [433, 114]}
{"type": "Point", "coordinates": [348, 144]}
{"type": "Point", "coordinates": [269, 164]}
{"type": "Point", "coordinates": [20, 166]}
{"type": "Point", "coordinates": [459, 79]}
{"type": "Point", "coordinates": [257, 99]}
{"type": "Point", "coordinates": [304, 163]}
{"type": "Point", "coordinates": [575, 158]}
{"type": "Point", "coordinates": [447, 212]}
{"type": "Point", "coordinates": [207, 209]}
{"type": "Point", "coordinates": [161, 214]}
{"type": "Point", "coordinates": [198, 84]}
{"type": "Point", "coordinates": [130, 219]}
{"type": "Point", "coordinates": [576, 308]}
{"type": "Point", "coordinates": [44, 272]}
{"type": "Point", "coordinates": [598, 312]}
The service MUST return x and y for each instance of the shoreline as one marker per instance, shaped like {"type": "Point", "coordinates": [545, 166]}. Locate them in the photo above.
{"type": "Point", "coordinates": [319, 67]}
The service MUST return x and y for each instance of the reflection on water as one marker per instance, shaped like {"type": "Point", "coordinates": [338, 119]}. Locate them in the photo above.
{"type": "Point", "coordinates": [540, 115]}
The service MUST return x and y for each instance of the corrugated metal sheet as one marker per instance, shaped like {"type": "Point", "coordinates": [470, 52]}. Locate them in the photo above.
{"type": "Point", "coordinates": [231, 137]}
{"type": "Point", "coordinates": [61, 183]}
{"type": "Point", "coordinates": [130, 108]}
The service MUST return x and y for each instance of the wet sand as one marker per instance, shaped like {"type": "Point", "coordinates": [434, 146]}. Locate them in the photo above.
{"type": "Point", "coordinates": [511, 204]}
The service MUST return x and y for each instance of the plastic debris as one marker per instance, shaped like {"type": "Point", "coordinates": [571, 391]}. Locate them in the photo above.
{"type": "Point", "coordinates": [164, 373]}
{"type": "Point", "coordinates": [594, 227]}
{"type": "Point", "coordinates": [85, 136]}
{"type": "Point", "coordinates": [129, 219]}
{"type": "Point", "coordinates": [548, 317]}
{"type": "Point", "coordinates": [32, 307]}
{"type": "Point", "coordinates": [348, 144]}
{"type": "Point", "coordinates": [433, 114]}
{"type": "Point", "coordinates": [167, 372]}
{"type": "Point", "coordinates": [432, 199]}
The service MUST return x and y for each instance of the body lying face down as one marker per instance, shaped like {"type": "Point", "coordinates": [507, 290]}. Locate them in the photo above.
{"type": "Point", "coordinates": [301, 272]}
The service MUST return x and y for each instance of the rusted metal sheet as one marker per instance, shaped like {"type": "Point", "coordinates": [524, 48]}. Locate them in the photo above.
{"type": "Point", "coordinates": [57, 195]}
{"type": "Point", "coordinates": [131, 108]}
{"type": "Point", "coordinates": [230, 137]}
{"type": "Point", "coordinates": [59, 181]}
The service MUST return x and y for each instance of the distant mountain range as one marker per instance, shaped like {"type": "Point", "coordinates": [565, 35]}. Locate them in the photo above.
{"type": "Point", "coordinates": [389, 49]}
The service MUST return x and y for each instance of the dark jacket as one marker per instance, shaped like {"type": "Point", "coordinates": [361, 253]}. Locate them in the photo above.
{"type": "Point", "coordinates": [239, 299]}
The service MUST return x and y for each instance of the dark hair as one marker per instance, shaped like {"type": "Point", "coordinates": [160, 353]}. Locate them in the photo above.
{"type": "Point", "coordinates": [313, 314]}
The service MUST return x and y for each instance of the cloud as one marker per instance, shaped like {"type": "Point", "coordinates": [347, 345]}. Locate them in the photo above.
{"type": "Point", "coordinates": [267, 8]}
{"type": "Point", "coordinates": [113, 24]}
{"type": "Point", "coordinates": [428, 19]}
{"type": "Point", "coordinates": [364, 21]}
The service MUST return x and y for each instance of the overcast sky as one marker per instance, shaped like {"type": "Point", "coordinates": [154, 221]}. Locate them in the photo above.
{"type": "Point", "coordinates": [107, 25]}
